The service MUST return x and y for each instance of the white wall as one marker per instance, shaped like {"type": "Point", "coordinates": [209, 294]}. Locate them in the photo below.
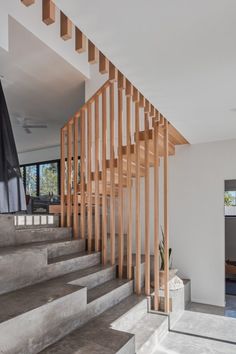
{"type": "Point", "coordinates": [197, 175]}
{"type": "Point", "coordinates": [50, 153]}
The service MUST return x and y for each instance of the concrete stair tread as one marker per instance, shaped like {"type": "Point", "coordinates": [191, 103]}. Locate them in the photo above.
{"type": "Point", "coordinates": [91, 339]}
{"type": "Point", "coordinates": [10, 249]}
{"type": "Point", "coordinates": [104, 288]}
{"type": "Point", "coordinates": [69, 257]}
{"type": "Point", "coordinates": [26, 299]}
{"type": "Point", "coordinates": [97, 337]}
{"type": "Point", "coordinates": [23, 300]}
{"type": "Point", "coordinates": [147, 326]}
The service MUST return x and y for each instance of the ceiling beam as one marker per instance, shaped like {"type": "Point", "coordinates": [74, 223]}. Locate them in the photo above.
{"type": "Point", "coordinates": [66, 27]}
{"type": "Point", "coordinates": [103, 64]}
{"type": "Point", "coordinates": [28, 2]}
{"type": "Point", "coordinates": [48, 12]}
{"type": "Point", "coordinates": [80, 41]}
{"type": "Point", "coordinates": [92, 53]}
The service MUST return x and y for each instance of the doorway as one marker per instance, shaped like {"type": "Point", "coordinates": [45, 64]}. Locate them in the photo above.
{"type": "Point", "coordinates": [230, 246]}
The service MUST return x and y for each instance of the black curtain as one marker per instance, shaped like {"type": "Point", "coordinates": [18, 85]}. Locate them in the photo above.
{"type": "Point", "coordinates": [12, 196]}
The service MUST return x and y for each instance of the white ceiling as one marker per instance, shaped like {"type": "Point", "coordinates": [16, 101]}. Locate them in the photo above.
{"type": "Point", "coordinates": [181, 54]}
{"type": "Point", "coordinates": [38, 84]}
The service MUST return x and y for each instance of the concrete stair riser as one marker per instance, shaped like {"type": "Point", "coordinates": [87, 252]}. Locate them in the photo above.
{"type": "Point", "coordinates": [29, 266]}
{"type": "Point", "coordinates": [65, 248]}
{"type": "Point", "coordinates": [154, 339]}
{"type": "Point", "coordinates": [95, 279]}
{"type": "Point", "coordinates": [128, 348]}
{"type": "Point", "coordinates": [27, 236]}
{"type": "Point", "coordinates": [127, 321]}
{"type": "Point", "coordinates": [73, 264]}
{"type": "Point", "coordinates": [21, 268]}
{"type": "Point", "coordinates": [11, 236]}
{"type": "Point", "coordinates": [33, 331]}
{"type": "Point", "coordinates": [110, 299]}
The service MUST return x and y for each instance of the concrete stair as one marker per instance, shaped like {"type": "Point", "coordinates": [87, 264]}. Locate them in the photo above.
{"type": "Point", "coordinates": [50, 286]}
{"type": "Point", "coordinates": [120, 329]}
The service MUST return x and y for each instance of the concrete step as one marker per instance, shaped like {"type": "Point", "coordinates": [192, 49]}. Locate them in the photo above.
{"type": "Point", "coordinates": [21, 267]}
{"type": "Point", "coordinates": [54, 248]}
{"type": "Point", "coordinates": [30, 235]}
{"type": "Point", "coordinates": [148, 328]}
{"type": "Point", "coordinates": [10, 235]}
{"type": "Point", "coordinates": [36, 316]}
{"type": "Point", "coordinates": [96, 336]}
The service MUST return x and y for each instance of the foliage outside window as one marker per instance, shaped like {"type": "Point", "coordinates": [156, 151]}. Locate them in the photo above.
{"type": "Point", "coordinates": [41, 178]}
{"type": "Point", "coordinates": [230, 198]}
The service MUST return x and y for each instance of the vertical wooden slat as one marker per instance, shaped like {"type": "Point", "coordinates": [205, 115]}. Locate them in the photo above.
{"type": "Point", "coordinates": [156, 216]}
{"type": "Point", "coordinates": [147, 216]}
{"type": "Point", "coordinates": [113, 72]}
{"type": "Point", "coordinates": [141, 100]}
{"type": "Point", "coordinates": [103, 64]}
{"type": "Point", "coordinates": [120, 184]}
{"type": "Point", "coordinates": [62, 176]}
{"type": "Point", "coordinates": [82, 173]}
{"type": "Point", "coordinates": [66, 27]}
{"type": "Point", "coordinates": [135, 95]}
{"type": "Point", "coordinates": [137, 193]}
{"type": "Point", "coordinates": [89, 176]}
{"type": "Point", "coordinates": [121, 81]}
{"type": "Point", "coordinates": [92, 53]}
{"type": "Point", "coordinates": [129, 188]}
{"type": "Point", "coordinates": [48, 12]}
{"type": "Point", "coordinates": [104, 177]}
{"type": "Point", "coordinates": [128, 88]}
{"type": "Point", "coordinates": [80, 41]}
{"type": "Point", "coordinates": [76, 171]}
{"type": "Point", "coordinates": [69, 172]}
{"type": "Point", "coordinates": [166, 217]}
{"type": "Point", "coordinates": [28, 2]}
{"type": "Point", "coordinates": [97, 198]}
{"type": "Point", "coordinates": [112, 176]}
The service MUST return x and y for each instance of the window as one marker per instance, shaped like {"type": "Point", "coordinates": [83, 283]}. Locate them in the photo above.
{"type": "Point", "coordinates": [31, 180]}
{"type": "Point", "coordinates": [230, 203]}
{"type": "Point", "coordinates": [230, 198]}
{"type": "Point", "coordinates": [41, 178]}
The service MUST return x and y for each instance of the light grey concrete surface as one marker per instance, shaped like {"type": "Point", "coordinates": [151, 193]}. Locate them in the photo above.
{"type": "Point", "coordinates": [94, 279]}
{"type": "Point", "coordinates": [97, 335]}
{"type": "Point", "coordinates": [33, 330]}
{"type": "Point", "coordinates": [207, 325]}
{"type": "Point", "coordinates": [148, 328]}
{"type": "Point", "coordinates": [25, 267]}
{"type": "Point", "coordinates": [11, 236]}
{"type": "Point", "coordinates": [175, 343]}
{"type": "Point", "coordinates": [64, 248]}
{"type": "Point", "coordinates": [19, 268]}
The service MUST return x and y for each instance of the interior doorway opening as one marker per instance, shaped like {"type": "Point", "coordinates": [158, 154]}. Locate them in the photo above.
{"type": "Point", "coordinates": [230, 246]}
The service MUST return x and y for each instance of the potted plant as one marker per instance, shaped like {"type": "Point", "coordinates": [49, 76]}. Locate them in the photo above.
{"type": "Point", "coordinates": [172, 272]}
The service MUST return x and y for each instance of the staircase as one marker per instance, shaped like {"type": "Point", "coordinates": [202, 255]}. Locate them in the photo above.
{"type": "Point", "coordinates": [58, 298]}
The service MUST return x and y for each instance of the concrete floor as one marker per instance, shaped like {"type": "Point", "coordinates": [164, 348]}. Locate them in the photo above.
{"type": "Point", "coordinates": [203, 329]}
{"type": "Point", "coordinates": [175, 343]}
